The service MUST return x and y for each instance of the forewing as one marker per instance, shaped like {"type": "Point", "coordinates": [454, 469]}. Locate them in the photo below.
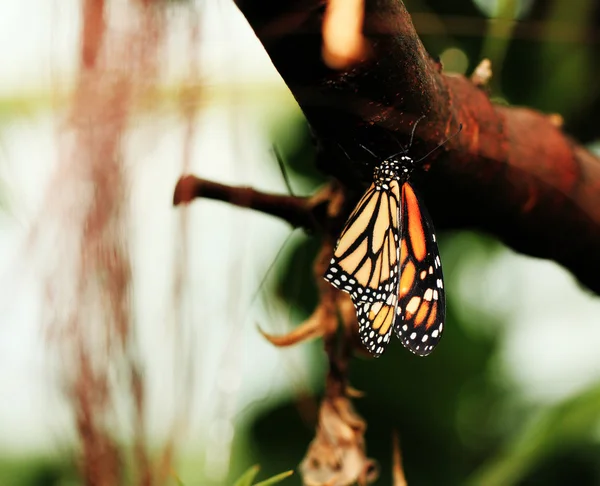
{"type": "Point", "coordinates": [421, 296]}
{"type": "Point", "coordinates": [365, 263]}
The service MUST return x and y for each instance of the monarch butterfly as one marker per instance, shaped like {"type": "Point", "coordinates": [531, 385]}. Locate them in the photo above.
{"type": "Point", "coordinates": [387, 259]}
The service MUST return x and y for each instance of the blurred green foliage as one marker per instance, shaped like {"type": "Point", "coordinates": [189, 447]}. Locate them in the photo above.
{"type": "Point", "coordinates": [548, 59]}
{"type": "Point", "coordinates": [37, 471]}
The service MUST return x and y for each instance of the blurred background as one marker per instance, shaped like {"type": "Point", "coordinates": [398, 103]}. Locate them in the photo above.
{"type": "Point", "coordinates": [512, 394]}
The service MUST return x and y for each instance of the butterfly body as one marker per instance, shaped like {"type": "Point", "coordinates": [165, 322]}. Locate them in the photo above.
{"type": "Point", "coordinates": [387, 260]}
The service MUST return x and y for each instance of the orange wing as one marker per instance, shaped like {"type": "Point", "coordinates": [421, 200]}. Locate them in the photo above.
{"type": "Point", "coordinates": [421, 296]}
{"type": "Point", "coordinates": [365, 263]}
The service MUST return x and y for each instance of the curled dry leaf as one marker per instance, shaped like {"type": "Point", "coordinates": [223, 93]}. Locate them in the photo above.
{"type": "Point", "coordinates": [336, 456]}
{"type": "Point", "coordinates": [323, 322]}
{"type": "Point", "coordinates": [315, 326]}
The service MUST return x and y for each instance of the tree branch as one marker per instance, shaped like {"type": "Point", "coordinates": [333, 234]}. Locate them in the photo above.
{"type": "Point", "coordinates": [298, 211]}
{"type": "Point", "coordinates": [511, 172]}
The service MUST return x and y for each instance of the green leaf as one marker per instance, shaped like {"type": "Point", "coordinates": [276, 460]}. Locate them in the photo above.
{"type": "Point", "coordinates": [247, 478]}
{"type": "Point", "coordinates": [275, 479]}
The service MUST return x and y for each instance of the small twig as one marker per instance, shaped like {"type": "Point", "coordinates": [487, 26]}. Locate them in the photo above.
{"type": "Point", "coordinates": [297, 211]}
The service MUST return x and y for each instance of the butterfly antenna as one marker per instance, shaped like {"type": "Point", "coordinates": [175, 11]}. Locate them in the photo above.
{"type": "Point", "coordinates": [282, 168]}
{"type": "Point", "coordinates": [365, 148]}
{"type": "Point", "coordinates": [441, 144]}
{"type": "Point", "coordinates": [362, 147]}
{"type": "Point", "coordinates": [412, 134]}
{"type": "Point", "coordinates": [342, 149]}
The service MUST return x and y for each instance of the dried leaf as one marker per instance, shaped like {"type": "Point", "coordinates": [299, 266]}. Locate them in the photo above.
{"type": "Point", "coordinates": [336, 456]}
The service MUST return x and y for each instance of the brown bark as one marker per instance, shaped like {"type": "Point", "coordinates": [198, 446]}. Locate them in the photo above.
{"type": "Point", "coordinates": [511, 172]}
{"type": "Point", "coordinates": [295, 210]}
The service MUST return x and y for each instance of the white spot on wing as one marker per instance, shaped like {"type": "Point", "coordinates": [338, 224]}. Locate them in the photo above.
{"type": "Point", "coordinates": [413, 305]}
{"type": "Point", "coordinates": [376, 307]}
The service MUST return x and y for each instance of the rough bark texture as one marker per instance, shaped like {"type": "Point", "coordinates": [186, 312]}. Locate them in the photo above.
{"type": "Point", "coordinates": [511, 172]}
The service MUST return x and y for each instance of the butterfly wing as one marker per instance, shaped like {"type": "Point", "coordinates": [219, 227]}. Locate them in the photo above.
{"type": "Point", "coordinates": [365, 263]}
{"type": "Point", "coordinates": [421, 295]}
